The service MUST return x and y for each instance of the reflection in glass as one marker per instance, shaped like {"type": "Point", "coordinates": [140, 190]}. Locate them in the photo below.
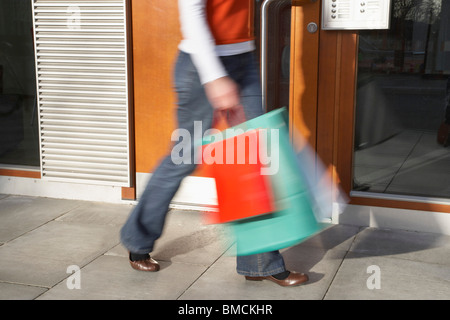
{"type": "Point", "coordinates": [402, 104]}
{"type": "Point", "coordinates": [19, 141]}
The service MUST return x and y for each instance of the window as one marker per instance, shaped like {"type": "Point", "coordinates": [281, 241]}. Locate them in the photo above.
{"type": "Point", "coordinates": [19, 139]}
{"type": "Point", "coordinates": [402, 103]}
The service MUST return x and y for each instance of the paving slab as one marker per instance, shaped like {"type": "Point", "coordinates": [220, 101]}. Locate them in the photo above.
{"type": "Point", "coordinates": [320, 257]}
{"type": "Point", "coordinates": [41, 257]}
{"type": "Point", "coordinates": [399, 279]}
{"type": "Point", "coordinates": [186, 238]}
{"type": "Point", "coordinates": [98, 213]}
{"type": "Point", "coordinates": [334, 237]}
{"type": "Point", "coordinates": [221, 281]}
{"type": "Point", "coordinates": [13, 291]}
{"type": "Point", "coordinates": [41, 237]}
{"type": "Point", "coordinates": [402, 244]}
{"type": "Point", "coordinates": [19, 214]}
{"type": "Point", "coordinates": [112, 278]}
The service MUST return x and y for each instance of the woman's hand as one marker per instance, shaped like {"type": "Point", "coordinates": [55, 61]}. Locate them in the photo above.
{"type": "Point", "coordinates": [223, 93]}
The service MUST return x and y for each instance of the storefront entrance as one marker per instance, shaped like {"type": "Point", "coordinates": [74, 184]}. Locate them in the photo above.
{"type": "Point", "coordinates": [385, 107]}
{"type": "Point", "coordinates": [372, 103]}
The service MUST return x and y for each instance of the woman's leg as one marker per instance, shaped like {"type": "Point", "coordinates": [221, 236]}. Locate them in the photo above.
{"type": "Point", "coordinates": [145, 224]}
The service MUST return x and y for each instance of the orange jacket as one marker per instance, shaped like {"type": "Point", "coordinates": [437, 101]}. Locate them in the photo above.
{"type": "Point", "coordinates": [230, 21]}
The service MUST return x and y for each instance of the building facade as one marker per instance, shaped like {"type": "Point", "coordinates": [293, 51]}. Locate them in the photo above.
{"type": "Point", "coordinates": [87, 106]}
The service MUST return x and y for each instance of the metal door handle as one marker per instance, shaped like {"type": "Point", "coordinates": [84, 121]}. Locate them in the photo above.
{"type": "Point", "coordinates": [264, 41]}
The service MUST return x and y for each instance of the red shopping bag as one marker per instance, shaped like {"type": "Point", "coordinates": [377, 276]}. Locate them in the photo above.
{"type": "Point", "coordinates": [242, 191]}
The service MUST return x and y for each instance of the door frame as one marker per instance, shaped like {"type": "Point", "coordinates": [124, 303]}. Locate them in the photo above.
{"type": "Point", "coordinates": [304, 71]}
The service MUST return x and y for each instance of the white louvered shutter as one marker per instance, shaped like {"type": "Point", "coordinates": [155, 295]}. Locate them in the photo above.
{"type": "Point", "coordinates": [81, 67]}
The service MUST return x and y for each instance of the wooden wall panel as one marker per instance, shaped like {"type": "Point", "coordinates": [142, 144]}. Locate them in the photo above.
{"type": "Point", "coordinates": [328, 93]}
{"type": "Point", "coordinates": [156, 34]}
{"type": "Point", "coordinates": [346, 106]}
{"type": "Point", "coordinates": [304, 72]}
{"type": "Point", "coordinates": [337, 54]}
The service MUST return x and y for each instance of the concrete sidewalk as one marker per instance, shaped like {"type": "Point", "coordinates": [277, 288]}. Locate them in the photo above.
{"type": "Point", "coordinates": [43, 240]}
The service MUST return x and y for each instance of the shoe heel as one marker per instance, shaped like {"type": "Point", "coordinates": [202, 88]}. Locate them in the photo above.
{"type": "Point", "coordinates": [253, 278]}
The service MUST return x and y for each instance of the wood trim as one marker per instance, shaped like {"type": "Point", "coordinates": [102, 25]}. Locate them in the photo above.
{"type": "Point", "coordinates": [20, 173]}
{"type": "Point", "coordinates": [304, 73]}
{"type": "Point", "coordinates": [128, 193]}
{"type": "Point", "coordinates": [131, 119]}
{"type": "Point", "coordinates": [347, 46]}
{"type": "Point", "coordinates": [337, 52]}
{"type": "Point", "coordinates": [328, 94]}
{"type": "Point", "coordinates": [399, 204]}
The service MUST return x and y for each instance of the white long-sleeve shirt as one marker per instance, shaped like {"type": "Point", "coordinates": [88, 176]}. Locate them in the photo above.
{"type": "Point", "coordinates": [199, 42]}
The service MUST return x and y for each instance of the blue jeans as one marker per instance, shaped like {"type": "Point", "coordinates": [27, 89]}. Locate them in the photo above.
{"type": "Point", "coordinates": [145, 223]}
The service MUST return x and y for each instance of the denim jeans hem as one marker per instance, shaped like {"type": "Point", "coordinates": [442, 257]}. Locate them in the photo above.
{"type": "Point", "coordinates": [134, 249]}
{"type": "Point", "coordinates": [261, 274]}
{"type": "Point", "coordinates": [137, 251]}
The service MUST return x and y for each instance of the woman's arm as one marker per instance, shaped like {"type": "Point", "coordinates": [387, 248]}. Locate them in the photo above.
{"type": "Point", "coordinates": [198, 41]}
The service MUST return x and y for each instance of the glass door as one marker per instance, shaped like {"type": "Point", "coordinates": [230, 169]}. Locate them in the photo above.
{"type": "Point", "coordinates": [402, 136]}
{"type": "Point", "coordinates": [289, 42]}
{"type": "Point", "coordinates": [19, 138]}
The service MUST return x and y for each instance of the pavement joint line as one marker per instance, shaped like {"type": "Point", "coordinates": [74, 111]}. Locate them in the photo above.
{"type": "Point", "coordinates": [340, 265]}
{"type": "Point", "coordinates": [206, 269]}
{"type": "Point", "coordinates": [25, 284]}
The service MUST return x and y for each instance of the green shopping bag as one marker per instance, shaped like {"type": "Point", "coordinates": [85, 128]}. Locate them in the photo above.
{"type": "Point", "coordinates": [293, 220]}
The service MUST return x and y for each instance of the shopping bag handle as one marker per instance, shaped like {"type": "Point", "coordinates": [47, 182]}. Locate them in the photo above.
{"type": "Point", "coordinates": [229, 118]}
